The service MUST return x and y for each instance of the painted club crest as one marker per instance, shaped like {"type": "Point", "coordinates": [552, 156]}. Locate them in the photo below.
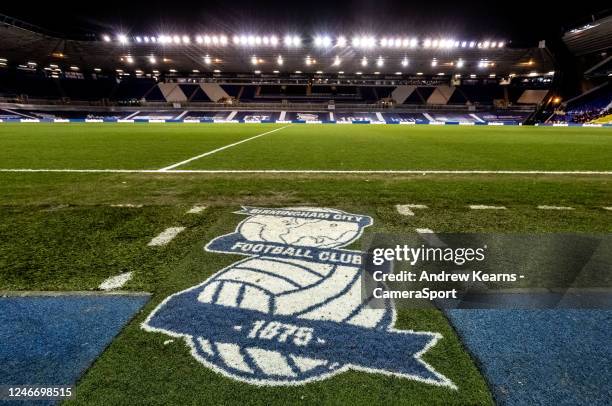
{"type": "Point", "coordinates": [292, 311]}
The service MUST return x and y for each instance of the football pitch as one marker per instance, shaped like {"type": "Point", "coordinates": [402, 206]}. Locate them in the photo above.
{"type": "Point", "coordinates": [81, 204]}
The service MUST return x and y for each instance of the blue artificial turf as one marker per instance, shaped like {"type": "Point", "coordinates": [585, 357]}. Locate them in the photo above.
{"type": "Point", "coordinates": [543, 357]}
{"type": "Point", "coordinates": [52, 340]}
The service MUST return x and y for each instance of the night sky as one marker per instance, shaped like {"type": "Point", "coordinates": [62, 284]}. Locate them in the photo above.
{"type": "Point", "coordinates": [521, 22]}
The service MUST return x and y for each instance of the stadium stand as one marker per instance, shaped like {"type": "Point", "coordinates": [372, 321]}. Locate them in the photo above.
{"type": "Point", "coordinates": [60, 88]}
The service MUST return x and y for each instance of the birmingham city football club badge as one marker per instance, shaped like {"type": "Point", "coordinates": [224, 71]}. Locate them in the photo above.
{"type": "Point", "coordinates": [291, 312]}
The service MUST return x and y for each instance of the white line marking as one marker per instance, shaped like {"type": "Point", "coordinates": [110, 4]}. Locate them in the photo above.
{"type": "Point", "coordinates": [165, 236]}
{"type": "Point", "coordinates": [544, 207]}
{"type": "Point", "coordinates": [196, 209]}
{"type": "Point", "coordinates": [313, 172]}
{"type": "Point", "coordinates": [214, 151]}
{"type": "Point", "coordinates": [485, 207]}
{"type": "Point", "coordinates": [430, 236]}
{"type": "Point", "coordinates": [608, 208]}
{"type": "Point", "coordinates": [406, 209]}
{"type": "Point", "coordinates": [128, 205]}
{"type": "Point", "coordinates": [115, 282]}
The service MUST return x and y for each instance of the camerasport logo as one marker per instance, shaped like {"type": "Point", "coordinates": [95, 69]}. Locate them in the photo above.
{"type": "Point", "coordinates": [292, 312]}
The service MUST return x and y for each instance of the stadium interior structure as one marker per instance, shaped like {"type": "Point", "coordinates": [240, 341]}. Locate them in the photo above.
{"type": "Point", "coordinates": [302, 78]}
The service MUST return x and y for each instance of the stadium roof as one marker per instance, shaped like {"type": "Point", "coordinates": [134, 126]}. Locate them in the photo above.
{"type": "Point", "coordinates": [216, 52]}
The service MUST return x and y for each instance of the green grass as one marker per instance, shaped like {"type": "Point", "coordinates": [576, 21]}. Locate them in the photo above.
{"type": "Point", "coordinates": [57, 231]}
{"type": "Point", "coordinates": [118, 146]}
{"type": "Point", "coordinates": [390, 147]}
{"type": "Point", "coordinates": [310, 147]}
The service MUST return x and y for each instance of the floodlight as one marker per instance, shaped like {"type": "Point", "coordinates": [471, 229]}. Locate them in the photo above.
{"type": "Point", "coordinates": [501, 44]}
{"type": "Point", "coordinates": [138, 39]}
{"type": "Point", "coordinates": [176, 39]}
{"type": "Point", "coordinates": [356, 42]}
{"type": "Point", "coordinates": [122, 38]}
{"type": "Point", "coordinates": [494, 44]}
{"type": "Point", "coordinates": [380, 62]}
{"type": "Point", "coordinates": [279, 60]}
{"type": "Point", "coordinates": [288, 40]}
{"type": "Point", "coordinates": [405, 62]}
{"type": "Point", "coordinates": [383, 42]}
{"type": "Point", "coordinates": [215, 40]}
{"type": "Point", "coordinates": [296, 41]}
{"type": "Point", "coordinates": [199, 39]}
{"type": "Point", "coordinates": [463, 44]}
{"type": "Point", "coordinates": [275, 71]}
{"type": "Point", "coordinates": [427, 43]}
{"type": "Point", "coordinates": [341, 41]}
{"type": "Point", "coordinates": [236, 39]}
{"type": "Point", "coordinates": [364, 61]}
{"type": "Point", "coordinates": [129, 59]}
{"type": "Point", "coordinates": [207, 60]}
{"type": "Point", "coordinates": [265, 40]}
{"type": "Point", "coordinates": [336, 61]}
{"type": "Point", "coordinates": [273, 40]}
{"type": "Point", "coordinates": [460, 63]}
{"type": "Point", "coordinates": [398, 73]}
{"type": "Point", "coordinates": [106, 38]}
{"type": "Point", "coordinates": [326, 41]}
{"type": "Point", "coordinates": [472, 44]}
{"type": "Point", "coordinates": [254, 60]}
{"type": "Point", "coordinates": [434, 62]}
{"type": "Point", "coordinates": [251, 40]}
{"type": "Point", "coordinates": [258, 40]}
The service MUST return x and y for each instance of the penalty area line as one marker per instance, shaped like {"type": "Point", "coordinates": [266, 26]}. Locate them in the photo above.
{"type": "Point", "coordinates": [214, 151]}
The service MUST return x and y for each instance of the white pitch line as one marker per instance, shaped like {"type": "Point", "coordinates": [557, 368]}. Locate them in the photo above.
{"type": "Point", "coordinates": [310, 172]}
{"type": "Point", "coordinates": [214, 151]}
{"type": "Point", "coordinates": [544, 207]}
{"type": "Point", "coordinates": [165, 236]}
{"type": "Point", "coordinates": [608, 208]}
{"type": "Point", "coordinates": [406, 209]}
{"type": "Point", "coordinates": [196, 210]}
{"type": "Point", "coordinates": [115, 282]}
{"type": "Point", "coordinates": [127, 205]}
{"type": "Point", "coordinates": [485, 207]}
{"type": "Point", "coordinates": [430, 236]}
